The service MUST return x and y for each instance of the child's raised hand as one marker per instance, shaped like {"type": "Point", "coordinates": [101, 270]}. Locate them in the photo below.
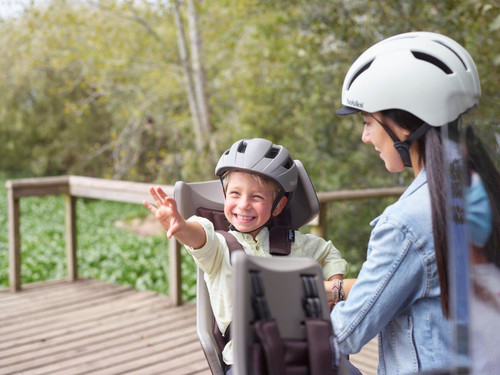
{"type": "Point", "coordinates": [165, 211]}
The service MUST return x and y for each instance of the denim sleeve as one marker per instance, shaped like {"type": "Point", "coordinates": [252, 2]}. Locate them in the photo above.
{"type": "Point", "coordinates": [390, 280]}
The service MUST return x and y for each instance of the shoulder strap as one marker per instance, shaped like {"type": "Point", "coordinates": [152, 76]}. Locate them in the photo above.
{"type": "Point", "coordinates": [232, 242]}
{"type": "Point", "coordinates": [233, 245]}
{"type": "Point", "coordinates": [281, 233]}
{"type": "Point", "coordinates": [280, 240]}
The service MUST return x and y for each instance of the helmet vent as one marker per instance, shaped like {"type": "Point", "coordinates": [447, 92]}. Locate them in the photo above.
{"type": "Point", "coordinates": [288, 164]}
{"type": "Point", "coordinates": [361, 70]}
{"type": "Point", "coordinates": [242, 147]}
{"type": "Point", "coordinates": [452, 50]}
{"type": "Point", "coordinates": [432, 60]}
{"type": "Point", "coordinates": [272, 153]}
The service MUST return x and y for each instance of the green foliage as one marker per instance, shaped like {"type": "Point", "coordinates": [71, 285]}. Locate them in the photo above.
{"type": "Point", "coordinates": [96, 88]}
{"type": "Point", "coordinates": [105, 251]}
{"type": "Point", "coordinates": [349, 228]}
{"type": "Point", "coordinates": [116, 254]}
{"type": "Point", "coordinates": [76, 102]}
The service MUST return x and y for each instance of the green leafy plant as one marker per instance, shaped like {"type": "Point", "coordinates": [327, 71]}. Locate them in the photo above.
{"type": "Point", "coordinates": [105, 251]}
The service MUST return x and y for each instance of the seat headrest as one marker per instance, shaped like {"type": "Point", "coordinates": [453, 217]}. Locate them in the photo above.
{"type": "Point", "coordinates": [301, 209]}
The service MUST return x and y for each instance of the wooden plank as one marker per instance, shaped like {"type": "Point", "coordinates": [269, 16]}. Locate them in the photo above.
{"type": "Point", "coordinates": [88, 346]}
{"type": "Point", "coordinates": [175, 285]}
{"type": "Point", "coordinates": [196, 367]}
{"type": "Point", "coordinates": [342, 195]}
{"type": "Point", "coordinates": [91, 327]}
{"type": "Point", "coordinates": [118, 330]}
{"type": "Point", "coordinates": [41, 290]}
{"type": "Point", "coordinates": [122, 191]}
{"type": "Point", "coordinates": [99, 296]}
{"type": "Point", "coordinates": [122, 359]}
{"type": "Point", "coordinates": [14, 242]}
{"type": "Point", "coordinates": [27, 187]}
{"type": "Point", "coordinates": [98, 335]}
{"type": "Point", "coordinates": [70, 234]}
{"type": "Point", "coordinates": [367, 359]}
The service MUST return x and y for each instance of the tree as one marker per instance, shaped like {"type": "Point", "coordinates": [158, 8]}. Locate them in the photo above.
{"type": "Point", "coordinates": [270, 69]}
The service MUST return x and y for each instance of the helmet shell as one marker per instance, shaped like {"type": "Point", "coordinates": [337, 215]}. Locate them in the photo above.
{"type": "Point", "coordinates": [260, 156]}
{"type": "Point", "coordinates": [427, 74]}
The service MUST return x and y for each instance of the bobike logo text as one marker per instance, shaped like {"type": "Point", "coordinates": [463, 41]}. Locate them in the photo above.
{"type": "Point", "coordinates": [354, 103]}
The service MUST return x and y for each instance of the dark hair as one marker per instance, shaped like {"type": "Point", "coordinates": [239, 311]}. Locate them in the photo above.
{"type": "Point", "coordinates": [410, 122]}
{"type": "Point", "coordinates": [437, 189]}
{"type": "Point", "coordinates": [430, 148]}
{"type": "Point", "coordinates": [431, 155]}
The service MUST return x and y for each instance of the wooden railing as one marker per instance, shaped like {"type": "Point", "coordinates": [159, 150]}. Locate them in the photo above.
{"type": "Point", "coordinates": [73, 187]}
{"type": "Point", "coordinates": [132, 192]}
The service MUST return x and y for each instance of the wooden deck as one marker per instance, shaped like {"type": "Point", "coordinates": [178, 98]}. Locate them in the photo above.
{"type": "Point", "coordinates": [91, 327]}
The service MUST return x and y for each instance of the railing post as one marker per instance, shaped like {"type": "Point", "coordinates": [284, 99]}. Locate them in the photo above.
{"type": "Point", "coordinates": [319, 228]}
{"type": "Point", "coordinates": [175, 281]}
{"type": "Point", "coordinates": [14, 241]}
{"type": "Point", "coordinates": [70, 229]}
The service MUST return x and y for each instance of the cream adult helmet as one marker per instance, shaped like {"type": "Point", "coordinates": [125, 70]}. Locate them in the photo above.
{"type": "Point", "coordinates": [427, 74]}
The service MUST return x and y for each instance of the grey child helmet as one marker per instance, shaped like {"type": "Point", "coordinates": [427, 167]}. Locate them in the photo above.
{"type": "Point", "coordinates": [262, 157]}
{"type": "Point", "coordinates": [273, 161]}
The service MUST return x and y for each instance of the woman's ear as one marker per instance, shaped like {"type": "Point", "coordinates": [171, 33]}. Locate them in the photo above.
{"type": "Point", "coordinates": [399, 131]}
{"type": "Point", "coordinates": [279, 207]}
{"type": "Point", "coordinates": [406, 133]}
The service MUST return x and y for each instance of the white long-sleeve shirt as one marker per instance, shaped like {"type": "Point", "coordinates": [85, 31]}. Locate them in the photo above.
{"type": "Point", "coordinates": [213, 259]}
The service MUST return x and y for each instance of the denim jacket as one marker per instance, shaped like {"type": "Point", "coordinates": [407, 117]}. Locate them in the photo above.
{"type": "Point", "coordinates": [397, 294]}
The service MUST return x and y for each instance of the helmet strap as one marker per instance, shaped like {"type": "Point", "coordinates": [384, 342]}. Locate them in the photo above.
{"type": "Point", "coordinates": [403, 147]}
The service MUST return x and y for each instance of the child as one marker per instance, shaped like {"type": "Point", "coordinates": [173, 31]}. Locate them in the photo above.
{"type": "Point", "coordinates": [258, 180]}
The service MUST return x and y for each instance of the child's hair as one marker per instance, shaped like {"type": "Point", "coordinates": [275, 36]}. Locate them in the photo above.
{"type": "Point", "coordinates": [261, 179]}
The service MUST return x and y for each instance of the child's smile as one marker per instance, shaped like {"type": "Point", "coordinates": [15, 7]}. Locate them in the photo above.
{"type": "Point", "coordinates": [248, 202]}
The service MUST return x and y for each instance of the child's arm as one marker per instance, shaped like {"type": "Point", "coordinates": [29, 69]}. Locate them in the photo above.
{"type": "Point", "coordinates": [188, 233]}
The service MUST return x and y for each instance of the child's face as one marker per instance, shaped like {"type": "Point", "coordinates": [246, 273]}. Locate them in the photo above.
{"type": "Point", "coordinates": [248, 202]}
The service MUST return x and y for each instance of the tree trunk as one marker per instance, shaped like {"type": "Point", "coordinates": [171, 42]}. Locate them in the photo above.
{"type": "Point", "coordinates": [188, 78]}
{"type": "Point", "coordinates": [198, 69]}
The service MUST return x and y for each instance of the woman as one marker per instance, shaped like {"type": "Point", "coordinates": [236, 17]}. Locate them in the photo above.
{"type": "Point", "coordinates": [483, 219]}
{"type": "Point", "coordinates": [407, 89]}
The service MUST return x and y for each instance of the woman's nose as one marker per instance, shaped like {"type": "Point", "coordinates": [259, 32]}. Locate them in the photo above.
{"type": "Point", "coordinates": [365, 137]}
